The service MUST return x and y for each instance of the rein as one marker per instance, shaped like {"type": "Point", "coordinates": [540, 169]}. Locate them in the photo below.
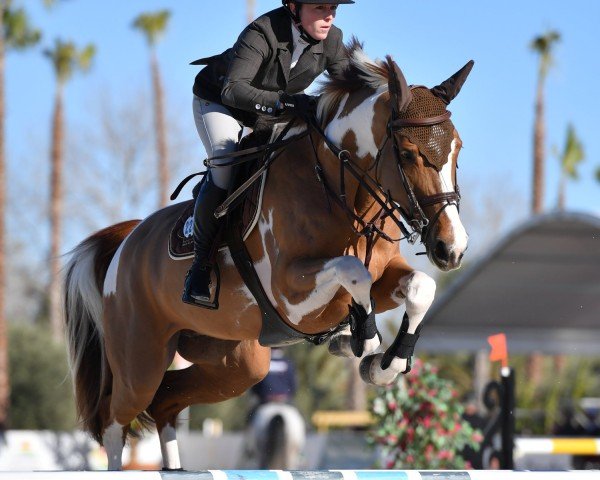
{"type": "Point", "coordinates": [415, 217]}
{"type": "Point", "coordinates": [420, 225]}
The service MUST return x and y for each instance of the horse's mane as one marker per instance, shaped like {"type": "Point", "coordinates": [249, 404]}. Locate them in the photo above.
{"type": "Point", "coordinates": [362, 72]}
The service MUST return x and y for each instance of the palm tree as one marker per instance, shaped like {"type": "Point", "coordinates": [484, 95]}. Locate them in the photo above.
{"type": "Point", "coordinates": [597, 174]}
{"type": "Point", "coordinates": [541, 45]}
{"type": "Point", "coordinates": [15, 34]}
{"type": "Point", "coordinates": [66, 60]}
{"type": "Point", "coordinates": [571, 157]}
{"type": "Point", "coordinates": [250, 10]}
{"type": "Point", "coordinates": [153, 26]}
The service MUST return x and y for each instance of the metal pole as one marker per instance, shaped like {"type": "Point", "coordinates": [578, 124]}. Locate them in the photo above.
{"type": "Point", "coordinates": [508, 417]}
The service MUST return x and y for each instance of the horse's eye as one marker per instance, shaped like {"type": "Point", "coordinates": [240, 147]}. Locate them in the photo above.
{"type": "Point", "coordinates": [407, 156]}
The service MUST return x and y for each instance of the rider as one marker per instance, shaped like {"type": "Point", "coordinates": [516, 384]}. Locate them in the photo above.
{"type": "Point", "coordinates": [274, 59]}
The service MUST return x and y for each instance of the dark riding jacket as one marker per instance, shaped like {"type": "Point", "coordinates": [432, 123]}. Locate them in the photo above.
{"type": "Point", "coordinates": [251, 77]}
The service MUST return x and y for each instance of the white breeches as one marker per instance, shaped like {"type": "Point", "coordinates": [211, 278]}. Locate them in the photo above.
{"type": "Point", "coordinates": [219, 132]}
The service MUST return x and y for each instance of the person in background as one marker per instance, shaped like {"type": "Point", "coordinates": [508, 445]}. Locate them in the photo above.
{"type": "Point", "coordinates": [477, 421]}
{"type": "Point", "coordinates": [280, 383]}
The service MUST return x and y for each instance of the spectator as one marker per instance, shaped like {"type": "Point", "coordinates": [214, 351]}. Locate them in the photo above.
{"type": "Point", "coordinates": [477, 421]}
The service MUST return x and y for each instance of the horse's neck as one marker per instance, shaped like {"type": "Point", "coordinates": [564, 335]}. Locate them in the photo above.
{"type": "Point", "coordinates": [352, 130]}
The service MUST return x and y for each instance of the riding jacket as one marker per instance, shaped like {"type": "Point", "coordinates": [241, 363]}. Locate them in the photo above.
{"type": "Point", "coordinates": [251, 76]}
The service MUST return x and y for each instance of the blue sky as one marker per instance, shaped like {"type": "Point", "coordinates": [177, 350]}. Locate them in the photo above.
{"type": "Point", "coordinates": [430, 40]}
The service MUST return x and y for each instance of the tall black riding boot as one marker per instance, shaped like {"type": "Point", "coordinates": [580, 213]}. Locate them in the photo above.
{"type": "Point", "coordinates": [206, 227]}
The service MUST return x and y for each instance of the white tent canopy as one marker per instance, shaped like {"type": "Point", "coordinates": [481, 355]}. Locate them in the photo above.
{"type": "Point", "coordinates": [540, 285]}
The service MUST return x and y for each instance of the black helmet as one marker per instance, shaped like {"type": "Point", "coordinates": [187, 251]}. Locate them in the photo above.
{"type": "Point", "coordinates": [324, 2]}
{"type": "Point", "coordinates": [296, 17]}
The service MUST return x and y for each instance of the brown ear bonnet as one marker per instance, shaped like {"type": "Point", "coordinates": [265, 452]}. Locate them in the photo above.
{"type": "Point", "coordinates": [434, 141]}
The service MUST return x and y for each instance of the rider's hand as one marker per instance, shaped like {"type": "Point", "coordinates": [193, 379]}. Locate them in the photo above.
{"type": "Point", "coordinates": [300, 104]}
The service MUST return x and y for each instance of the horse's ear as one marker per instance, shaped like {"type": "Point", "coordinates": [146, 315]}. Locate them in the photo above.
{"type": "Point", "coordinates": [449, 89]}
{"type": "Point", "coordinates": [400, 94]}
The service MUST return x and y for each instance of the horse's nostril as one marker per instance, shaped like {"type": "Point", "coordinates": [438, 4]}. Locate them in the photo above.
{"type": "Point", "coordinates": [460, 257]}
{"type": "Point", "coordinates": [441, 251]}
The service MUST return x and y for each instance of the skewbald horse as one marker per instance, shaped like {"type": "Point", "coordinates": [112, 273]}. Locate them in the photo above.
{"type": "Point", "coordinates": [124, 316]}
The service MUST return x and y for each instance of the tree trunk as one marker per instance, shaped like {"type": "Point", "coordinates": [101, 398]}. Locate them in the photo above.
{"type": "Point", "coordinates": [250, 10]}
{"type": "Point", "coordinates": [161, 134]}
{"type": "Point", "coordinates": [4, 372]}
{"type": "Point", "coordinates": [560, 204]}
{"type": "Point", "coordinates": [537, 204]}
{"type": "Point", "coordinates": [357, 389]}
{"type": "Point", "coordinates": [56, 209]}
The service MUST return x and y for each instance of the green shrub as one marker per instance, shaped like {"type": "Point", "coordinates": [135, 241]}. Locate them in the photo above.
{"type": "Point", "coordinates": [41, 394]}
{"type": "Point", "coordinates": [419, 422]}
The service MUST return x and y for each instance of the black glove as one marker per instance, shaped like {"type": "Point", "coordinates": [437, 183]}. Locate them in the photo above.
{"type": "Point", "coordinates": [302, 105]}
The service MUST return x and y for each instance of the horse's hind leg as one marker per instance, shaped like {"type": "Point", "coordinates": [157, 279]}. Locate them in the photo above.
{"type": "Point", "coordinates": [113, 440]}
{"type": "Point", "coordinates": [138, 362]}
{"type": "Point", "coordinates": [228, 369]}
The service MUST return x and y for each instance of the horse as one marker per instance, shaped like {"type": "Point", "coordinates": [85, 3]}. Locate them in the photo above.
{"type": "Point", "coordinates": [276, 436]}
{"type": "Point", "coordinates": [382, 156]}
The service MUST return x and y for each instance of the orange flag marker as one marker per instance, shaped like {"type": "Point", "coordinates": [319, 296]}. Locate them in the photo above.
{"type": "Point", "coordinates": [499, 351]}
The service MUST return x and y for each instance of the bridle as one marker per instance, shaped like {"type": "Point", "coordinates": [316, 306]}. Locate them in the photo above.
{"type": "Point", "coordinates": [418, 223]}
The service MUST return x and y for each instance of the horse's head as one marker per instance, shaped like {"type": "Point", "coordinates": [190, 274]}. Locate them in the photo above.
{"type": "Point", "coordinates": [418, 164]}
{"type": "Point", "coordinates": [405, 134]}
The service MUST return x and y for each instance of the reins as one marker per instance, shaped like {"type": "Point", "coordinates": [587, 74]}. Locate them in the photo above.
{"type": "Point", "coordinates": [415, 216]}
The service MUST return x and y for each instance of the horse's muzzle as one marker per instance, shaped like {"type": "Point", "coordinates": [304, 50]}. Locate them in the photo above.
{"type": "Point", "coordinates": [445, 256]}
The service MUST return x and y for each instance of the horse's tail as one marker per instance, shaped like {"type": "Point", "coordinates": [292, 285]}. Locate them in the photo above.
{"type": "Point", "coordinates": [274, 456]}
{"type": "Point", "coordinates": [83, 287]}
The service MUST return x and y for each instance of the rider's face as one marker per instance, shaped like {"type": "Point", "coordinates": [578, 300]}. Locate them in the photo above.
{"type": "Point", "coordinates": [317, 19]}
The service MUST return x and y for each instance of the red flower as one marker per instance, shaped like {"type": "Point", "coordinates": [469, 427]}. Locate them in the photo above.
{"type": "Point", "coordinates": [445, 455]}
{"type": "Point", "coordinates": [392, 406]}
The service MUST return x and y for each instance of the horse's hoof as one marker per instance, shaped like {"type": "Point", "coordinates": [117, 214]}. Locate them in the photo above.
{"type": "Point", "coordinates": [371, 372]}
{"type": "Point", "coordinates": [339, 345]}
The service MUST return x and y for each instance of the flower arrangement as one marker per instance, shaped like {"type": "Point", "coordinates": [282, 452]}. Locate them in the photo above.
{"type": "Point", "coordinates": [419, 422]}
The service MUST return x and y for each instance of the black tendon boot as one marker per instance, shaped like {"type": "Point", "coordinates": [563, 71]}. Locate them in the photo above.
{"type": "Point", "coordinates": [206, 227]}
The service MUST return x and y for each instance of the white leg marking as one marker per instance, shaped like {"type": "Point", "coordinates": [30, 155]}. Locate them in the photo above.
{"type": "Point", "coordinates": [169, 447]}
{"type": "Point", "coordinates": [419, 292]}
{"type": "Point", "coordinates": [371, 345]}
{"type": "Point", "coordinates": [458, 230]}
{"type": "Point", "coordinates": [113, 444]}
{"type": "Point", "coordinates": [346, 271]}
{"type": "Point", "coordinates": [110, 281]}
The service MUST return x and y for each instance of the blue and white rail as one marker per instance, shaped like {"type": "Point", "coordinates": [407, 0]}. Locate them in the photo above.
{"type": "Point", "coordinates": [309, 475]}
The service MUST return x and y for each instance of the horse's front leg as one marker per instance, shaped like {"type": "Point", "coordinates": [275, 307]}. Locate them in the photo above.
{"type": "Point", "coordinates": [399, 284]}
{"type": "Point", "coordinates": [318, 281]}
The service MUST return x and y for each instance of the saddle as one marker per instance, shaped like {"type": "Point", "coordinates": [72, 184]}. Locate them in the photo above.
{"type": "Point", "coordinates": [241, 219]}
{"type": "Point", "coordinates": [181, 241]}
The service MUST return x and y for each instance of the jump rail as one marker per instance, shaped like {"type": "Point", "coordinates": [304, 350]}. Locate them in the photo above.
{"type": "Point", "coordinates": [556, 445]}
{"type": "Point", "coordinates": [309, 475]}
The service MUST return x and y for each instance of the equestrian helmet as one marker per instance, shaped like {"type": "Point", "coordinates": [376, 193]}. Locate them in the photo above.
{"type": "Point", "coordinates": [322, 2]}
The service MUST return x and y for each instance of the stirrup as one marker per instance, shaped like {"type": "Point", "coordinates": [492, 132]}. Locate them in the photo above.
{"type": "Point", "coordinates": [210, 304]}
